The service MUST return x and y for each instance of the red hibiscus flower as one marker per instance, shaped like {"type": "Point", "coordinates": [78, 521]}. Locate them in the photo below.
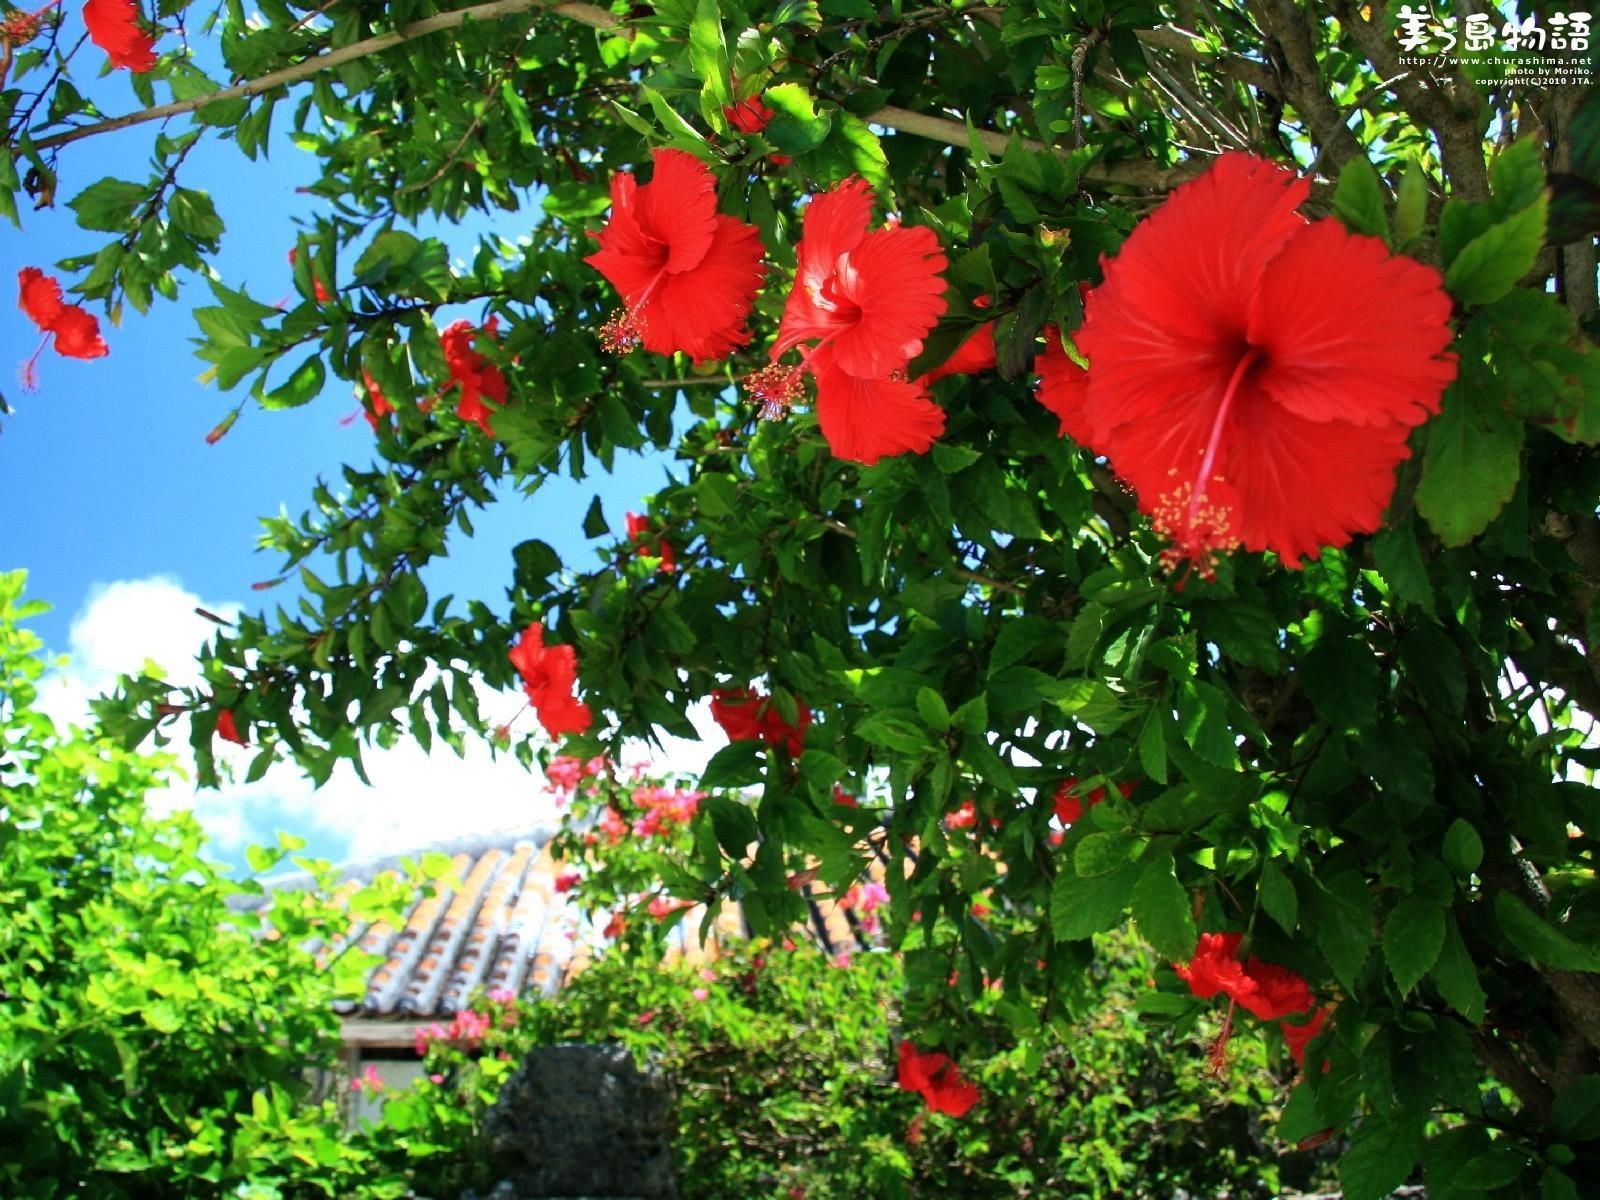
{"type": "Point", "coordinates": [638, 527]}
{"type": "Point", "coordinates": [1069, 805]}
{"type": "Point", "coordinates": [567, 880]}
{"type": "Point", "coordinates": [1279, 992]}
{"type": "Point", "coordinates": [687, 273]}
{"type": "Point", "coordinates": [76, 331]}
{"type": "Point", "coordinates": [749, 116]}
{"type": "Point", "coordinates": [228, 728]}
{"type": "Point", "coordinates": [867, 299]}
{"type": "Point", "coordinates": [549, 677]}
{"type": "Point", "coordinates": [936, 1079]}
{"type": "Point", "coordinates": [474, 374]}
{"type": "Point", "coordinates": [377, 406]}
{"type": "Point", "coordinates": [964, 817]}
{"type": "Point", "coordinates": [1252, 375]}
{"type": "Point", "coordinates": [1214, 968]}
{"type": "Point", "coordinates": [747, 716]}
{"type": "Point", "coordinates": [317, 288]}
{"type": "Point", "coordinates": [114, 27]}
{"type": "Point", "coordinates": [662, 907]}
{"type": "Point", "coordinates": [615, 927]}
{"type": "Point", "coordinates": [1267, 990]}
{"type": "Point", "coordinates": [1297, 1037]}
{"type": "Point", "coordinates": [40, 297]}
{"type": "Point", "coordinates": [975, 354]}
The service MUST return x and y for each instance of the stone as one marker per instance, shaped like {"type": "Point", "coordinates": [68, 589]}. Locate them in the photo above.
{"type": "Point", "coordinates": [584, 1121]}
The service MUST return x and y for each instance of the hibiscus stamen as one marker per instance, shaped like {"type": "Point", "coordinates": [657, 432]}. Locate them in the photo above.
{"type": "Point", "coordinates": [622, 332]}
{"type": "Point", "coordinates": [1217, 1056]}
{"type": "Point", "coordinates": [28, 372]}
{"type": "Point", "coordinates": [775, 388]}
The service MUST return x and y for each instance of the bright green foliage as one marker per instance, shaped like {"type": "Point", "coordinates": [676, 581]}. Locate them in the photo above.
{"type": "Point", "coordinates": [1369, 765]}
{"type": "Point", "coordinates": [154, 1043]}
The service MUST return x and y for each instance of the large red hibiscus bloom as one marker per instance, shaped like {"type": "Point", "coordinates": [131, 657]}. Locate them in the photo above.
{"type": "Point", "coordinates": [937, 1080]}
{"type": "Point", "coordinates": [687, 273]}
{"type": "Point", "coordinates": [866, 299]}
{"type": "Point", "coordinates": [477, 377]}
{"type": "Point", "coordinates": [549, 677]}
{"type": "Point", "coordinates": [1253, 376]}
{"type": "Point", "coordinates": [114, 27]}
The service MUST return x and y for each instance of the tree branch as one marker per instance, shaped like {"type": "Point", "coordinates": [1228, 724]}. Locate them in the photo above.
{"type": "Point", "coordinates": [584, 14]}
{"type": "Point", "coordinates": [1144, 175]}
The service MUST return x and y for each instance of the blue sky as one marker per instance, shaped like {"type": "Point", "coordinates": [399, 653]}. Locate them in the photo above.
{"type": "Point", "coordinates": [125, 519]}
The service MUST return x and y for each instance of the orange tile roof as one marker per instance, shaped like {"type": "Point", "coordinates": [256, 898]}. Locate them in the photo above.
{"type": "Point", "coordinates": [507, 928]}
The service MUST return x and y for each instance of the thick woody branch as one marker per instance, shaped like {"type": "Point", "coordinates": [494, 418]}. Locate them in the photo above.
{"type": "Point", "coordinates": [1300, 84]}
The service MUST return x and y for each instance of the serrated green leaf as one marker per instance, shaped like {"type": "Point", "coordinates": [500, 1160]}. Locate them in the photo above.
{"type": "Point", "coordinates": [1471, 465]}
{"type": "Point", "coordinates": [1279, 898]}
{"type": "Point", "coordinates": [1101, 853]}
{"type": "Point", "coordinates": [1412, 936]}
{"type": "Point", "coordinates": [1163, 913]}
{"type": "Point", "coordinates": [1382, 1152]}
{"type": "Point", "coordinates": [1490, 264]}
{"type": "Point", "coordinates": [1081, 907]}
{"type": "Point", "coordinates": [932, 709]}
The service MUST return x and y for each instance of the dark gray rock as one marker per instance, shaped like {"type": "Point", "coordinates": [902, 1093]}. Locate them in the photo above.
{"type": "Point", "coordinates": [585, 1121]}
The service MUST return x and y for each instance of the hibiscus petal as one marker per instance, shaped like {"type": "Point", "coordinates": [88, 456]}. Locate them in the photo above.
{"type": "Point", "coordinates": [702, 312]}
{"type": "Point", "coordinates": [78, 334]}
{"type": "Point", "coordinates": [1350, 332]}
{"type": "Point", "coordinates": [1064, 389]}
{"type": "Point", "coordinates": [1176, 299]}
{"type": "Point", "coordinates": [866, 419]}
{"type": "Point", "coordinates": [1303, 485]}
{"type": "Point", "coordinates": [834, 224]}
{"type": "Point", "coordinates": [894, 277]}
{"type": "Point", "coordinates": [679, 207]}
{"type": "Point", "coordinates": [40, 297]}
{"type": "Point", "coordinates": [975, 354]}
{"type": "Point", "coordinates": [114, 26]}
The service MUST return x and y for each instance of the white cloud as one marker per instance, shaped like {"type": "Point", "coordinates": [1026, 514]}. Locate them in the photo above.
{"type": "Point", "coordinates": [415, 798]}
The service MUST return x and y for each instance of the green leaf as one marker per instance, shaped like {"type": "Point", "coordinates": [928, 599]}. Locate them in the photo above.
{"type": "Point", "coordinates": [1101, 853]}
{"type": "Point", "coordinates": [1203, 714]}
{"type": "Point", "coordinates": [1538, 940]}
{"type": "Point", "coordinates": [1081, 907]}
{"type": "Point", "coordinates": [1162, 910]}
{"type": "Point", "coordinates": [303, 385]}
{"type": "Point", "coordinates": [1358, 199]}
{"type": "Point", "coordinates": [1556, 1184]}
{"type": "Point", "coordinates": [1490, 264]}
{"type": "Point", "coordinates": [1411, 205]}
{"type": "Point", "coordinates": [1576, 1113]}
{"type": "Point", "coordinates": [1382, 1152]}
{"type": "Point", "coordinates": [1471, 465]}
{"type": "Point", "coordinates": [1399, 561]}
{"type": "Point", "coordinates": [1278, 897]}
{"type": "Point", "coordinates": [932, 709]}
{"type": "Point", "coordinates": [109, 204]}
{"type": "Point", "coordinates": [895, 732]}
{"type": "Point", "coordinates": [385, 257]}
{"type": "Point", "coordinates": [1456, 976]}
{"type": "Point", "coordinates": [1463, 848]}
{"type": "Point", "coordinates": [1153, 748]}
{"type": "Point", "coordinates": [734, 823]}
{"type": "Point", "coordinates": [796, 126]}
{"type": "Point", "coordinates": [1412, 937]}
{"type": "Point", "coordinates": [708, 55]}
{"type": "Point", "coordinates": [738, 764]}
{"type": "Point", "coordinates": [572, 201]}
{"type": "Point", "coordinates": [1342, 680]}
{"type": "Point", "coordinates": [594, 521]}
